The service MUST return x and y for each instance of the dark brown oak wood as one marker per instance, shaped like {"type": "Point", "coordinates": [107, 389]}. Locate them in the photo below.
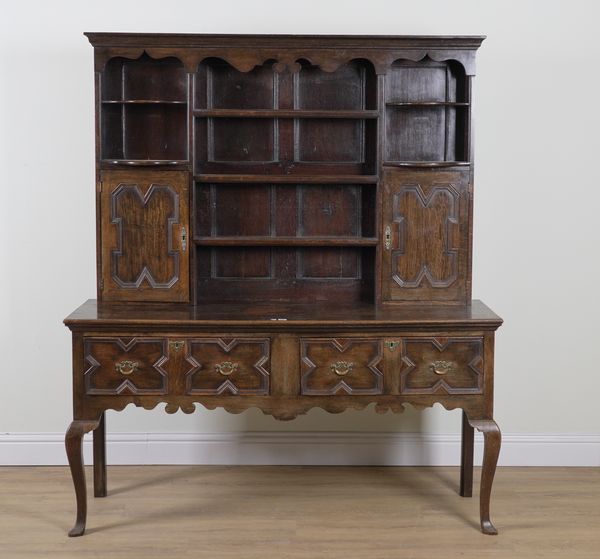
{"type": "Point", "coordinates": [73, 444]}
{"type": "Point", "coordinates": [145, 236]}
{"type": "Point", "coordinates": [286, 241]}
{"type": "Point", "coordinates": [93, 315]}
{"type": "Point", "coordinates": [283, 222]}
{"type": "Point", "coordinates": [466, 458]}
{"type": "Point", "coordinates": [287, 179]}
{"type": "Point", "coordinates": [282, 113]}
{"type": "Point", "coordinates": [491, 451]}
{"type": "Point", "coordinates": [99, 438]}
{"type": "Point", "coordinates": [435, 203]}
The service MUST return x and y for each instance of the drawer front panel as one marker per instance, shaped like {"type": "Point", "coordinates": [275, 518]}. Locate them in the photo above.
{"type": "Point", "coordinates": [125, 366]}
{"type": "Point", "coordinates": [228, 366]}
{"type": "Point", "coordinates": [442, 365]}
{"type": "Point", "coordinates": [341, 366]}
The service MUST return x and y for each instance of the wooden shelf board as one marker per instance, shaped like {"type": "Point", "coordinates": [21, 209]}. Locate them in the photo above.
{"type": "Point", "coordinates": [144, 162]}
{"type": "Point", "coordinates": [285, 113]}
{"type": "Point", "coordinates": [426, 164]}
{"type": "Point", "coordinates": [142, 102]}
{"type": "Point", "coordinates": [402, 104]}
{"type": "Point", "coordinates": [288, 179]}
{"type": "Point", "coordinates": [286, 241]}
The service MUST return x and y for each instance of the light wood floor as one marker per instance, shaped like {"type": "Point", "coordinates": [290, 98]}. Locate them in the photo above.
{"type": "Point", "coordinates": [300, 512]}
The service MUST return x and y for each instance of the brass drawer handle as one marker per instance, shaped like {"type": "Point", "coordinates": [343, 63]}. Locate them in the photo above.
{"type": "Point", "coordinates": [441, 367]}
{"type": "Point", "coordinates": [342, 368]}
{"type": "Point", "coordinates": [127, 367]}
{"type": "Point", "coordinates": [226, 368]}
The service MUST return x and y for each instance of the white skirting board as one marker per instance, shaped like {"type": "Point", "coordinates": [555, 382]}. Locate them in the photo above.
{"type": "Point", "coordinates": [302, 448]}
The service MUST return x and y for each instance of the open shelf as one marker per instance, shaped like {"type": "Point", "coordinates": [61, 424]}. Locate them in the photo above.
{"type": "Point", "coordinates": [301, 274]}
{"type": "Point", "coordinates": [427, 114]}
{"type": "Point", "coordinates": [265, 122]}
{"type": "Point", "coordinates": [144, 78]}
{"type": "Point", "coordinates": [287, 179]}
{"type": "Point", "coordinates": [427, 164]}
{"type": "Point", "coordinates": [141, 102]}
{"type": "Point", "coordinates": [283, 215]}
{"type": "Point", "coordinates": [287, 241]}
{"type": "Point", "coordinates": [285, 113]}
{"type": "Point", "coordinates": [144, 163]}
{"type": "Point", "coordinates": [401, 104]}
{"type": "Point", "coordinates": [143, 112]}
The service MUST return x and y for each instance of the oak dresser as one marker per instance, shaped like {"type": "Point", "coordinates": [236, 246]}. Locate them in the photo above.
{"type": "Point", "coordinates": [283, 222]}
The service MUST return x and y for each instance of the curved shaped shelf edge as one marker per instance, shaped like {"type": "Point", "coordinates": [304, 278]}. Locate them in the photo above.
{"type": "Point", "coordinates": [145, 162]}
{"type": "Point", "coordinates": [427, 164]}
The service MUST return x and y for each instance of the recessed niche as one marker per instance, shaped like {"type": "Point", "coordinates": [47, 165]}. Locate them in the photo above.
{"type": "Point", "coordinates": [291, 211]}
{"type": "Point", "coordinates": [427, 110]}
{"type": "Point", "coordinates": [144, 109]}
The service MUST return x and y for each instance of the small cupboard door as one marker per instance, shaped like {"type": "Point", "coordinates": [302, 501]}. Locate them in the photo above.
{"type": "Point", "coordinates": [426, 236]}
{"type": "Point", "coordinates": [144, 236]}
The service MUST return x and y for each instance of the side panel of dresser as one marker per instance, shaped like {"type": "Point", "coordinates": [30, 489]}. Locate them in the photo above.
{"type": "Point", "coordinates": [144, 241]}
{"type": "Point", "coordinates": [426, 224]}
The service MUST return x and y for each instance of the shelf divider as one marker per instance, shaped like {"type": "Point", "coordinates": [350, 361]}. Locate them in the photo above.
{"type": "Point", "coordinates": [408, 104]}
{"type": "Point", "coordinates": [142, 102]}
{"type": "Point", "coordinates": [426, 164]}
{"type": "Point", "coordinates": [287, 179]}
{"type": "Point", "coordinates": [144, 163]}
{"type": "Point", "coordinates": [287, 241]}
{"type": "Point", "coordinates": [285, 113]}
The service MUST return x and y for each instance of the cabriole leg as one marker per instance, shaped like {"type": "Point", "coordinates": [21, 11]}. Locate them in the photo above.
{"type": "Point", "coordinates": [466, 458]}
{"type": "Point", "coordinates": [491, 450]}
{"type": "Point", "coordinates": [100, 458]}
{"type": "Point", "coordinates": [73, 444]}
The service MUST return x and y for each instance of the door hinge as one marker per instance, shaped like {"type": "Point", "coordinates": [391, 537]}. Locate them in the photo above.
{"type": "Point", "coordinates": [101, 284]}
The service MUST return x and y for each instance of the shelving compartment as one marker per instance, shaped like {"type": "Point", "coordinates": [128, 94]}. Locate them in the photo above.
{"type": "Point", "coordinates": [293, 123]}
{"type": "Point", "coordinates": [271, 212]}
{"type": "Point", "coordinates": [427, 114]}
{"type": "Point", "coordinates": [143, 113]}
{"type": "Point", "coordinates": [284, 242]}
{"type": "Point", "coordinates": [284, 274]}
{"type": "Point", "coordinates": [351, 87]}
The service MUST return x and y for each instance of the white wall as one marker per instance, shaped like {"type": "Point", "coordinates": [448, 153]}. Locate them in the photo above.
{"type": "Point", "coordinates": [536, 253]}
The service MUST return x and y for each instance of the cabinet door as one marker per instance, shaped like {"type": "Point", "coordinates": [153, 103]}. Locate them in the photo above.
{"type": "Point", "coordinates": [144, 237]}
{"type": "Point", "coordinates": [426, 236]}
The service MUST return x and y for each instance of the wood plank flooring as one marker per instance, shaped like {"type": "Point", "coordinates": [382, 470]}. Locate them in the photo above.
{"type": "Point", "coordinates": [299, 512]}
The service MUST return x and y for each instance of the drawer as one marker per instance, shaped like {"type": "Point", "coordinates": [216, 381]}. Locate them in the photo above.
{"type": "Point", "coordinates": [123, 366]}
{"type": "Point", "coordinates": [227, 366]}
{"type": "Point", "coordinates": [442, 365]}
{"type": "Point", "coordinates": [335, 366]}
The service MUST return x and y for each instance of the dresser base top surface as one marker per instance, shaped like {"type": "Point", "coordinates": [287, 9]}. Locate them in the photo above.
{"type": "Point", "coordinates": [282, 316]}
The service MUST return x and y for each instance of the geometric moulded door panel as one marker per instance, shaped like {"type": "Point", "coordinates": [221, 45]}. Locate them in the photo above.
{"type": "Point", "coordinates": [425, 237]}
{"type": "Point", "coordinates": [145, 236]}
